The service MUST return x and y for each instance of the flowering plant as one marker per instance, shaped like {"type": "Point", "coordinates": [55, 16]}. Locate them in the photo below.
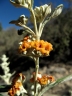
{"type": "Point", "coordinates": [34, 47]}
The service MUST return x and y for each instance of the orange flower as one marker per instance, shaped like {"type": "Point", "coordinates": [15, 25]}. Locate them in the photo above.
{"type": "Point", "coordinates": [48, 46]}
{"type": "Point", "coordinates": [20, 77]}
{"type": "Point", "coordinates": [26, 38]}
{"type": "Point", "coordinates": [43, 80]}
{"type": "Point", "coordinates": [14, 88]}
{"type": "Point", "coordinates": [44, 52]}
{"type": "Point", "coordinates": [25, 45]}
{"type": "Point", "coordinates": [44, 47]}
{"type": "Point", "coordinates": [37, 44]}
{"type": "Point", "coordinates": [46, 79]}
{"type": "Point", "coordinates": [39, 48]}
{"type": "Point", "coordinates": [32, 43]}
{"type": "Point", "coordinates": [51, 78]}
{"type": "Point", "coordinates": [21, 49]}
{"type": "Point", "coordinates": [17, 87]}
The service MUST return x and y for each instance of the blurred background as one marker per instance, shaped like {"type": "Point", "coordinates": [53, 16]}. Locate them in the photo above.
{"type": "Point", "coordinates": [58, 32]}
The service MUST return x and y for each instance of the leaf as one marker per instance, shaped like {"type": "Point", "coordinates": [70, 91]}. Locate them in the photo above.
{"type": "Point", "coordinates": [1, 95]}
{"type": "Point", "coordinates": [16, 5]}
{"type": "Point", "coordinates": [13, 22]}
{"type": "Point", "coordinates": [32, 3]}
{"type": "Point", "coordinates": [4, 88]}
{"type": "Point", "coordinates": [61, 80]}
{"type": "Point", "coordinates": [57, 11]}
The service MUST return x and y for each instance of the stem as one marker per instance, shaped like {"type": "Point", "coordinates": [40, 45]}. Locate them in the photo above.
{"type": "Point", "coordinates": [36, 72]}
{"type": "Point", "coordinates": [36, 58]}
{"type": "Point", "coordinates": [44, 23]}
{"type": "Point", "coordinates": [34, 19]}
{"type": "Point", "coordinates": [30, 31]}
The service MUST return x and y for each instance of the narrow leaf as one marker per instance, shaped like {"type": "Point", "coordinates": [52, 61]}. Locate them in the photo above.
{"type": "Point", "coordinates": [57, 11]}
{"type": "Point", "coordinates": [1, 95]}
{"type": "Point", "coordinates": [32, 3]}
{"type": "Point", "coordinates": [61, 80]}
{"type": "Point", "coordinates": [4, 88]}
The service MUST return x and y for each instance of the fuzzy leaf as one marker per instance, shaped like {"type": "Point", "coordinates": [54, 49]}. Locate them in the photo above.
{"type": "Point", "coordinates": [57, 11]}
{"type": "Point", "coordinates": [32, 3]}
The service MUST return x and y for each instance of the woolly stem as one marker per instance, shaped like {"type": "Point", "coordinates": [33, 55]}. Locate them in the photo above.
{"type": "Point", "coordinates": [36, 72]}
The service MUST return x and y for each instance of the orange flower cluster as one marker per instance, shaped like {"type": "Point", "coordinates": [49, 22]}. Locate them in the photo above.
{"type": "Point", "coordinates": [16, 84]}
{"type": "Point", "coordinates": [46, 80]}
{"type": "Point", "coordinates": [19, 77]}
{"type": "Point", "coordinates": [35, 48]}
{"type": "Point", "coordinates": [14, 89]}
{"type": "Point", "coordinates": [42, 79]}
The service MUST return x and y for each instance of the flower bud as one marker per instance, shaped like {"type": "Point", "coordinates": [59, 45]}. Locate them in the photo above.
{"type": "Point", "coordinates": [17, 87]}
{"type": "Point", "coordinates": [41, 12]}
{"type": "Point", "coordinates": [22, 20]}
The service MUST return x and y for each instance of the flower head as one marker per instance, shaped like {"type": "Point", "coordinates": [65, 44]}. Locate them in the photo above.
{"type": "Point", "coordinates": [34, 47]}
{"type": "Point", "coordinates": [46, 80]}
{"type": "Point", "coordinates": [42, 79]}
{"type": "Point", "coordinates": [22, 20]}
{"type": "Point", "coordinates": [17, 87]}
{"type": "Point", "coordinates": [19, 77]}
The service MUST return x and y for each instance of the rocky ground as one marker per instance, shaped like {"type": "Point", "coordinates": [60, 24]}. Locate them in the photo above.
{"type": "Point", "coordinates": [58, 70]}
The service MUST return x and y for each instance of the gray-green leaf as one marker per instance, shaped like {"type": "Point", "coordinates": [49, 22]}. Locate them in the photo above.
{"type": "Point", "coordinates": [57, 11]}
{"type": "Point", "coordinates": [61, 80]}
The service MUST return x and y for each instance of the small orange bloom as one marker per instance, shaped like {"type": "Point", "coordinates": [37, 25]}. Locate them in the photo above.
{"type": "Point", "coordinates": [17, 77]}
{"type": "Point", "coordinates": [32, 43]}
{"type": "Point", "coordinates": [48, 46]}
{"type": "Point", "coordinates": [40, 48]}
{"type": "Point", "coordinates": [51, 78]}
{"type": "Point", "coordinates": [43, 80]}
{"type": "Point", "coordinates": [26, 38]}
{"type": "Point", "coordinates": [14, 88]}
{"type": "Point", "coordinates": [44, 52]}
{"type": "Point", "coordinates": [46, 79]}
{"type": "Point", "coordinates": [16, 84]}
{"type": "Point", "coordinates": [25, 45]}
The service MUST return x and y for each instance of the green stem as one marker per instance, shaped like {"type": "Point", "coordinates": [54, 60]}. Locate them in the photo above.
{"type": "Point", "coordinates": [36, 72]}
